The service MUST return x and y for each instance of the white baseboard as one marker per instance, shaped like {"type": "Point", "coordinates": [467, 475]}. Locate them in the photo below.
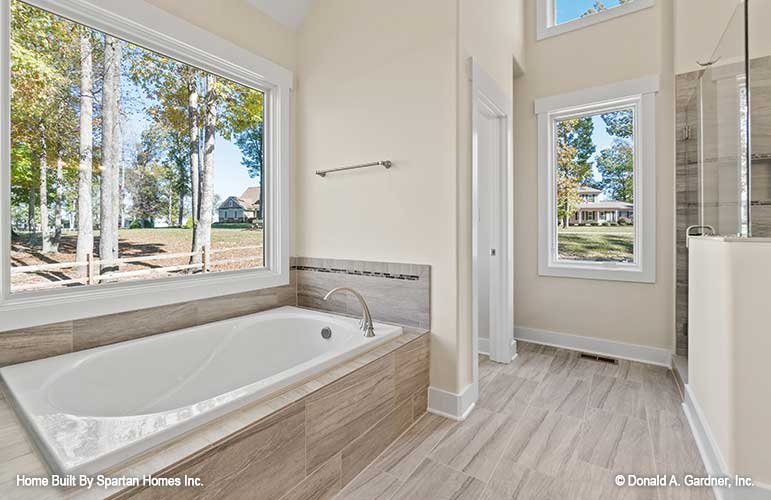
{"type": "Point", "coordinates": [483, 346]}
{"type": "Point", "coordinates": [451, 405]}
{"type": "Point", "coordinates": [632, 352]}
{"type": "Point", "coordinates": [710, 454]}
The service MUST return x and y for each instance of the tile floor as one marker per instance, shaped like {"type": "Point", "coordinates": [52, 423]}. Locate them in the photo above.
{"type": "Point", "coordinates": [550, 425]}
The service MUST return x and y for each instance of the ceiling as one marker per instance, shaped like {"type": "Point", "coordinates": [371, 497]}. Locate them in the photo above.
{"type": "Point", "coordinates": [290, 13]}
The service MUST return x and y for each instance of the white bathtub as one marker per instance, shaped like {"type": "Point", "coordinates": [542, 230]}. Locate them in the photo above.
{"type": "Point", "coordinates": [91, 410]}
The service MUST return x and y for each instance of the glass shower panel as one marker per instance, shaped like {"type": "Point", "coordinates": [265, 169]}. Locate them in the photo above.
{"type": "Point", "coordinates": [722, 187]}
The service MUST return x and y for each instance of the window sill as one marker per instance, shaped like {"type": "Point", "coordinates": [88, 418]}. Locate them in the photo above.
{"type": "Point", "coordinates": [25, 310]}
{"type": "Point", "coordinates": [598, 271]}
{"type": "Point", "coordinates": [546, 28]}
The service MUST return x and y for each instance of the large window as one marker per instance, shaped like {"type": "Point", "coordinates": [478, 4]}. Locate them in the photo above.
{"type": "Point", "coordinates": [129, 165]}
{"type": "Point", "coordinates": [597, 164]}
{"type": "Point", "coordinates": [560, 16]}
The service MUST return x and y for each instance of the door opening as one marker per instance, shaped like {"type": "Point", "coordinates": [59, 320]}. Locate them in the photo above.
{"type": "Point", "coordinates": [492, 238]}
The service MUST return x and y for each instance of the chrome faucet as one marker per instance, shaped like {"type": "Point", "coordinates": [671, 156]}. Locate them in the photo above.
{"type": "Point", "coordinates": [366, 320]}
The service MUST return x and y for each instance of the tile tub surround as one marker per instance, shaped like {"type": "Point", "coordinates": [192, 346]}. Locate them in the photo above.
{"type": "Point", "coordinates": [396, 293]}
{"type": "Point", "coordinates": [307, 442]}
{"type": "Point", "coordinates": [18, 346]}
{"type": "Point", "coordinates": [518, 445]}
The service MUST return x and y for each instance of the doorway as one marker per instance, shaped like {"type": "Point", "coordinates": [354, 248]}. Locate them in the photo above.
{"type": "Point", "coordinates": [492, 213]}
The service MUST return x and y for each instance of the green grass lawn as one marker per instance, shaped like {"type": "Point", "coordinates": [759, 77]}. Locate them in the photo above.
{"type": "Point", "coordinates": [596, 243]}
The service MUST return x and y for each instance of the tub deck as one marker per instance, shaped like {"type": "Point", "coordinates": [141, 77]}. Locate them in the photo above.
{"type": "Point", "coordinates": [18, 455]}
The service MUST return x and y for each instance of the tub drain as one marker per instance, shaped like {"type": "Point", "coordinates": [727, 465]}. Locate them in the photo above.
{"type": "Point", "coordinates": [326, 332]}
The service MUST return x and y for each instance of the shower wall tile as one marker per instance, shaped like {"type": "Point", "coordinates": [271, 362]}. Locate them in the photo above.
{"type": "Point", "coordinates": [686, 168]}
{"type": "Point", "coordinates": [395, 293]}
{"type": "Point", "coordinates": [760, 87]}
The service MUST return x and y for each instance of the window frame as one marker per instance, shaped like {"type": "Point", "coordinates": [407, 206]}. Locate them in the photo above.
{"type": "Point", "coordinates": [548, 27]}
{"type": "Point", "coordinates": [152, 28]}
{"type": "Point", "coordinates": [640, 94]}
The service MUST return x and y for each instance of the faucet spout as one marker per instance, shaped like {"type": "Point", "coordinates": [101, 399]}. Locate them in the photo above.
{"type": "Point", "coordinates": [366, 325]}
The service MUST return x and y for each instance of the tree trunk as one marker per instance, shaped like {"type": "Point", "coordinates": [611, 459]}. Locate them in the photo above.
{"type": "Point", "coordinates": [45, 228]}
{"type": "Point", "coordinates": [192, 112]}
{"type": "Point", "coordinates": [116, 154]}
{"type": "Point", "coordinates": [261, 213]}
{"type": "Point", "coordinates": [31, 215]}
{"type": "Point", "coordinates": [85, 243]}
{"type": "Point", "coordinates": [203, 229]}
{"type": "Point", "coordinates": [108, 220]}
{"type": "Point", "coordinates": [170, 211]}
{"type": "Point", "coordinates": [181, 208]}
{"type": "Point", "coordinates": [194, 144]}
{"type": "Point", "coordinates": [57, 236]}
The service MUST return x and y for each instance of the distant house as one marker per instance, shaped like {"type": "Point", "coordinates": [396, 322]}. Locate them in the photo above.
{"type": "Point", "coordinates": [592, 210]}
{"type": "Point", "coordinates": [244, 208]}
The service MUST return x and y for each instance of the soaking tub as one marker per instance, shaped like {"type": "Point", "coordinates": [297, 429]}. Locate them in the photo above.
{"type": "Point", "coordinates": [91, 410]}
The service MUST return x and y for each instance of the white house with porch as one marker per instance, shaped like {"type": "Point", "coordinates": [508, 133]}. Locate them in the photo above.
{"type": "Point", "coordinates": [591, 209]}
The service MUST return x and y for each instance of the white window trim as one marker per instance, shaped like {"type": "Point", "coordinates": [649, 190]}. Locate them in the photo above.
{"type": "Point", "coordinates": [150, 27]}
{"type": "Point", "coordinates": [640, 94]}
{"type": "Point", "coordinates": [548, 27]}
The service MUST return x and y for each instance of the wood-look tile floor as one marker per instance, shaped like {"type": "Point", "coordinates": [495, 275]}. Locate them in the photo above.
{"type": "Point", "coordinates": [549, 426]}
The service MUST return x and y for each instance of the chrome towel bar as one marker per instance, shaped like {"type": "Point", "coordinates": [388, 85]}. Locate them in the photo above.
{"type": "Point", "coordinates": [384, 163]}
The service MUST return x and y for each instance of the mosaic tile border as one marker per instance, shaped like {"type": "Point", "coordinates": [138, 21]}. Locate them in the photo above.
{"type": "Point", "coordinates": [407, 277]}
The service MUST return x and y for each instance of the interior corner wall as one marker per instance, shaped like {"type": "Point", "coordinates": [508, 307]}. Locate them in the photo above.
{"type": "Point", "coordinates": [624, 48]}
{"type": "Point", "coordinates": [377, 81]}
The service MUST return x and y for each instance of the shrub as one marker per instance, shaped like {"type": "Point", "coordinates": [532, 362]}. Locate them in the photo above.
{"type": "Point", "coordinates": [135, 224]}
{"type": "Point", "coordinates": [188, 223]}
{"type": "Point", "coordinates": [623, 221]}
{"type": "Point", "coordinates": [613, 223]}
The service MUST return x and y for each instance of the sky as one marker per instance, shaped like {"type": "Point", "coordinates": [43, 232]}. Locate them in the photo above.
{"type": "Point", "coordinates": [567, 10]}
{"type": "Point", "coordinates": [602, 140]}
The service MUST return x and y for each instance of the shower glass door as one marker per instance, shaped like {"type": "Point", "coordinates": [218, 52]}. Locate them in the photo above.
{"type": "Point", "coordinates": [722, 184]}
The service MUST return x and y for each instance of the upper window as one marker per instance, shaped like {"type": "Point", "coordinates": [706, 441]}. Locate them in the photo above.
{"type": "Point", "coordinates": [561, 16]}
{"type": "Point", "coordinates": [127, 165]}
{"type": "Point", "coordinates": [597, 165]}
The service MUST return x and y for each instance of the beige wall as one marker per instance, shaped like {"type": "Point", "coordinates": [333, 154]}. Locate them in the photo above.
{"type": "Point", "coordinates": [718, 30]}
{"type": "Point", "coordinates": [405, 96]}
{"type": "Point", "coordinates": [238, 22]}
{"type": "Point", "coordinates": [698, 27]}
{"type": "Point", "coordinates": [376, 81]}
{"type": "Point", "coordinates": [625, 48]}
